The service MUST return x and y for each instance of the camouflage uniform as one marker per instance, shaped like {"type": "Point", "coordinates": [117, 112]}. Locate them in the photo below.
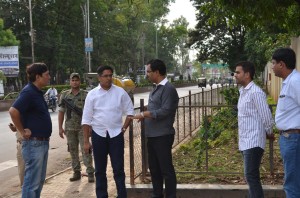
{"type": "Point", "coordinates": [73, 130]}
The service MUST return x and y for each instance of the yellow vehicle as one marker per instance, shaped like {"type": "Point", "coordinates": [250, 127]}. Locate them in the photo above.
{"type": "Point", "coordinates": [91, 79]}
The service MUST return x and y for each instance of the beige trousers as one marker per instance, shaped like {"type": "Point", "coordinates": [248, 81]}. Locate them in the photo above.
{"type": "Point", "coordinates": [21, 164]}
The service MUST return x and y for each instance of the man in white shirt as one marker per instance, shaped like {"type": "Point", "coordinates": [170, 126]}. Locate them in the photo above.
{"type": "Point", "coordinates": [102, 120]}
{"type": "Point", "coordinates": [287, 118]}
{"type": "Point", "coordinates": [255, 124]}
{"type": "Point", "coordinates": [51, 94]}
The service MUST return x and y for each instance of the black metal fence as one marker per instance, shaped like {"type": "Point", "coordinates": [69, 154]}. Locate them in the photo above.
{"type": "Point", "coordinates": [190, 117]}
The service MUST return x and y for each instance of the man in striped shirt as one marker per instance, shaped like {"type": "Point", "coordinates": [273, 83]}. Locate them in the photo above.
{"type": "Point", "coordinates": [255, 125]}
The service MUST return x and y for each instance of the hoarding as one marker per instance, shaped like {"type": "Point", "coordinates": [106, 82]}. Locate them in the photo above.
{"type": "Point", "coordinates": [9, 61]}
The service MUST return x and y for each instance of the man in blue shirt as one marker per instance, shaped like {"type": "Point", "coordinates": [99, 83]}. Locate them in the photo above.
{"type": "Point", "coordinates": [31, 117]}
{"type": "Point", "coordinates": [287, 118]}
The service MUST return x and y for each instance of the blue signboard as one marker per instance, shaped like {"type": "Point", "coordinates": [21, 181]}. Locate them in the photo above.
{"type": "Point", "coordinates": [9, 61]}
{"type": "Point", "coordinates": [88, 44]}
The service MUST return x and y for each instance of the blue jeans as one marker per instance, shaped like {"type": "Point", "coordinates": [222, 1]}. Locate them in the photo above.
{"type": "Point", "coordinates": [290, 153]}
{"type": "Point", "coordinates": [114, 147]}
{"type": "Point", "coordinates": [252, 159]}
{"type": "Point", "coordinates": [35, 155]}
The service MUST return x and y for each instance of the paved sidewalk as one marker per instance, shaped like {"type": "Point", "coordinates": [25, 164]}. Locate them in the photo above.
{"type": "Point", "coordinates": [59, 186]}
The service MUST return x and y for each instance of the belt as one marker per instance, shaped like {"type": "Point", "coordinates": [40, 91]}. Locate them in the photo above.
{"type": "Point", "coordinates": [290, 131]}
{"type": "Point", "coordinates": [39, 138]}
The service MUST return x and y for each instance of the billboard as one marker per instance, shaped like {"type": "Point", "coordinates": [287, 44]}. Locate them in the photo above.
{"type": "Point", "coordinates": [9, 61]}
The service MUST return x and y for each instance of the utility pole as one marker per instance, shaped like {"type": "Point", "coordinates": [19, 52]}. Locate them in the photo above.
{"type": "Point", "coordinates": [88, 28]}
{"type": "Point", "coordinates": [31, 33]}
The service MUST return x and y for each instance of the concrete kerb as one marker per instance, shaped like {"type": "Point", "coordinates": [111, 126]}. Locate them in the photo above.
{"type": "Point", "coordinates": [206, 191]}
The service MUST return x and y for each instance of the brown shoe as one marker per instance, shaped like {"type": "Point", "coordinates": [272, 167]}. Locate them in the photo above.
{"type": "Point", "coordinates": [91, 178]}
{"type": "Point", "coordinates": [76, 176]}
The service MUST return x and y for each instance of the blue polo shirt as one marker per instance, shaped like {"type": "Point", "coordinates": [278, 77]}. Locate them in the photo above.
{"type": "Point", "coordinates": [34, 111]}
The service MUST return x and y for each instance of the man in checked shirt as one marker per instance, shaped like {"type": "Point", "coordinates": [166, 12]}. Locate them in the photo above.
{"type": "Point", "coordinates": [255, 124]}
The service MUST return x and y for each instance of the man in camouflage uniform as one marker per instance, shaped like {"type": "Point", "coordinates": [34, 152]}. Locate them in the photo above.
{"type": "Point", "coordinates": [70, 104]}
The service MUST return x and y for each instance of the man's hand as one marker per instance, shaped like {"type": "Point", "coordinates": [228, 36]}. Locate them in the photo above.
{"type": "Point", "coordinates": [26, 133]}
{"type": "Point", "coordinates": [87, 147]}
{"type": "Point", "coordinates": [12, 127]}
{"type": "Point", "coordinates": [61, 133]}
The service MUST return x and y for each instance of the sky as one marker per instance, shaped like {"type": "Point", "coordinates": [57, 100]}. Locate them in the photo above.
{"type": "Point", "coordinates": [186, 9]}
{"type": "Point", "coordinates": [182, 8]}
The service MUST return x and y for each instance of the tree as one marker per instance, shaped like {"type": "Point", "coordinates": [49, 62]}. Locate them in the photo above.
{"type": "Point", "coordinates": [7, 38]}
{"type": "Point", "coordinates": [216, 41]}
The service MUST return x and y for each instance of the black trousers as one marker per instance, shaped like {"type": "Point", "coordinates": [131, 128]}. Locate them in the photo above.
{"type": "Point", "coordinates": [161, 165]}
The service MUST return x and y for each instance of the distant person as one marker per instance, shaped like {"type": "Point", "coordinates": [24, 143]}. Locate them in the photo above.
{"type": "Point", "coordinates": [103, 110]}
{"type": "Point", "coordinates": [287, 118]}
{"type": "Point", "coordinates": [20, 161]}
{"type": "Point", "coordinates": [30, 115]}
{"type": "Point", "coordinates": [159, 119]}
{"type": "Point", "coordinates": [52, 95]}
{"type": "Point", "coordinates": [255, 123]}
{"type": "Point", "coordinates": [71, 104]}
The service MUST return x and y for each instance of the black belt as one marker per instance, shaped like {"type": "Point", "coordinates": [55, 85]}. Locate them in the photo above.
{"type": "Point", "coordinates": [290, 131]}
{"type": "Point", "coordinates": [39, 138]}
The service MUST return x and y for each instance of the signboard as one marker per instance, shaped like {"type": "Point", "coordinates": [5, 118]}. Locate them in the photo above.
{"type": "Point", "coordinates": [88, 44]}
{"type": "Point", "coordinates": [9, 61]}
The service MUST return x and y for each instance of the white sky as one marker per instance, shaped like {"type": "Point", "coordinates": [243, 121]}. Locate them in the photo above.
{"type": "Point", "coordinates": [182, 8]}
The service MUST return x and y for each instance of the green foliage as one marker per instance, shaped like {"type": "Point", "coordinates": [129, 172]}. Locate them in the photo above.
{"type": "Point", "coordinates": [231, 95]}
{"type": "Point", "coordinates": [7, 38]}
{"type": "Point", "coordinates": [120, 39]}
{"type": "Point", "coordinates": [2, 76]}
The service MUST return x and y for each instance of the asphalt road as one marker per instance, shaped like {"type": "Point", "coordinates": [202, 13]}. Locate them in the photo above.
{"type": "Point", "coordinates": [59, 158]}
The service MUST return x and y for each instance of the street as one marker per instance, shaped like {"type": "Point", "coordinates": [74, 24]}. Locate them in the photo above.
{"type": "Point", "coordinates": [59, 158]}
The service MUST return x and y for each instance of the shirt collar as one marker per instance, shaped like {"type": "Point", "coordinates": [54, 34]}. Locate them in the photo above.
{"type": "Point", "coordinates": [163, 82]}
{"type": "Point", "coordinates": [247, 87]}
{"type": "Point", "coordinates": [100, 88]}
{"type": "Point", "coordinates": [289, 77]}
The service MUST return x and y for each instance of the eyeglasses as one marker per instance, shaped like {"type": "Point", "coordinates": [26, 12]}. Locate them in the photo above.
{"type": "Point", "coordinates": [107, 76]}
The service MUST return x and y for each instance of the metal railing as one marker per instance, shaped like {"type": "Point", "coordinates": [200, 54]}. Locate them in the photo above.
{"type": "Point", "coordinates": [188, 119]}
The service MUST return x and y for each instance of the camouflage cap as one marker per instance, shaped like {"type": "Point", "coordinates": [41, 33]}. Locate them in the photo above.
{"type": "Point", "coordinates": [74, 75]}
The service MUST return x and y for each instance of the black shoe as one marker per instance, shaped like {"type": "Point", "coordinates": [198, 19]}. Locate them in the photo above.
{"type": "Point", "coordinates": [76, 176]}
{"type": "Point", "coordinates": [91, 178]}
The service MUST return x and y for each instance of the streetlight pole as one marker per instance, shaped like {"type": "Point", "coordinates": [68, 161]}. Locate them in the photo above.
{"type": "Point", "coordinates": [31, 32]}
{"type": "Point", "coordinates": [88, 29]}
{"type": "Point", "coordinates": [156, 45]}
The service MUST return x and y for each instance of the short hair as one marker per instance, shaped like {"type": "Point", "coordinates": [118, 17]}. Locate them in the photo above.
{"type": "Point", "coordinates": [35, 69]}
{"type": "Point", "coordinates": [104, 67]}
{"type": "Point", "coordinates": [247, 67]}
{"type": "Point", "coordinates": [158, 65]}
{"type": "Point", "coordinates": [286, 55]}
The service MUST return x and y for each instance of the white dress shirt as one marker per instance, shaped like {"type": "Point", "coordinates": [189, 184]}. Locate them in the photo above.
{"type": "Point", "coordinates": [103, 110]}
{"type": "Point", "coordinates": [288, 107]}
{"type": "Point", "coordinates": [254, 117]}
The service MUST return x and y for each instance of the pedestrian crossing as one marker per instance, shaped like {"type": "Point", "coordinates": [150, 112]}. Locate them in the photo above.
{"type": "Point", "coordinates": [8, 164]}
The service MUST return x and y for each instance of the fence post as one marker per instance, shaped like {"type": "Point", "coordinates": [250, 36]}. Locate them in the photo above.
{"type": "Point", "coordinates": [131, 154]}
{"type": "Point", "coordinates": [190, 112]}
{"type": "Point", "coordinates": [143, 144]}
{"type": "Point", "coordinates": [271, 150]}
